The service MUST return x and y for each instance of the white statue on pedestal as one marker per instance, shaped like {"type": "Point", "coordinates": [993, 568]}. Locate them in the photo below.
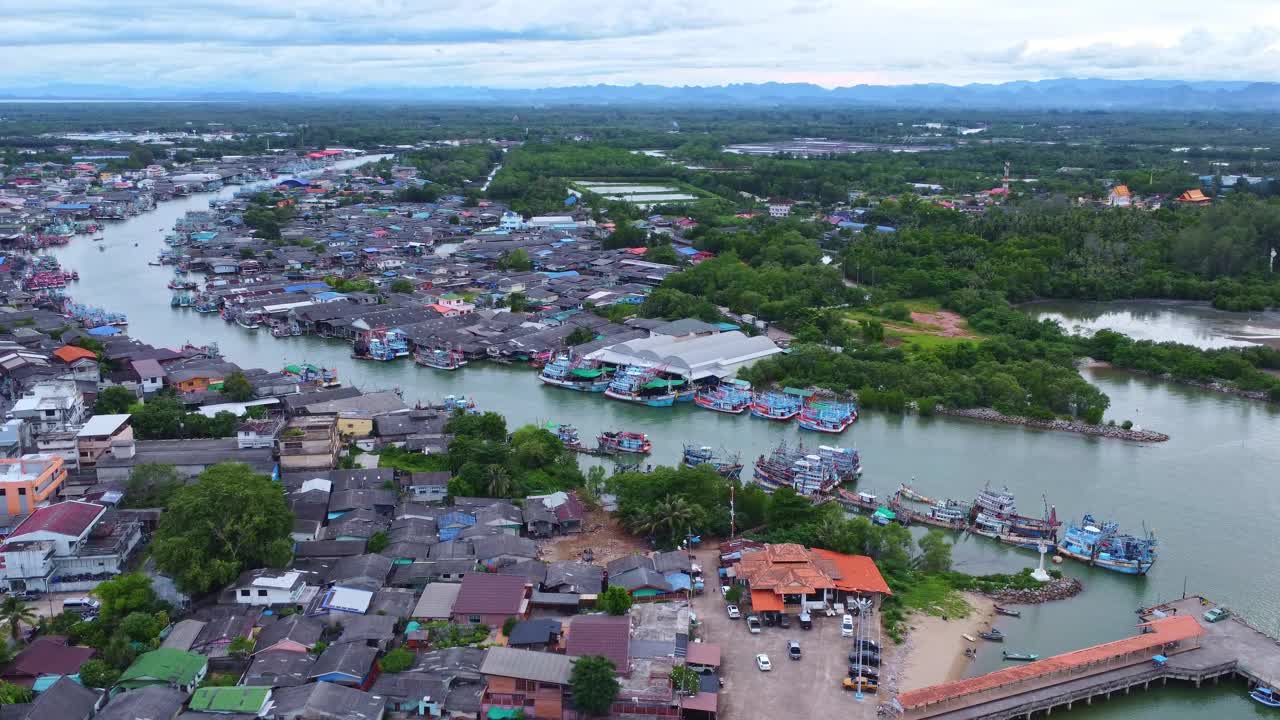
{"type": "Point", "coordinates": [1040, 573]}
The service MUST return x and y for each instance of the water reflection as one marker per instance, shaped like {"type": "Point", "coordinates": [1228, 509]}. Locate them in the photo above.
{"type": "Point", "coordinates": [1191, 323]}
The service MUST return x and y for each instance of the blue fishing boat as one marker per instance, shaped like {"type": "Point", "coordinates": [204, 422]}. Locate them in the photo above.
{"type": "Point", "coordinates": [566, 434]}
{"type": "Point", "coordinates": [625, 442]}
{"type": "Point", "coordinates": [382, 345]}
{"type": "Point", "coordinates": [1101, 544]}
{"type": "Point", "coordinates": [1265, 696]}
{"type": "Point", "coordinates": [643, 385]}
{"type": "Point", "coordinates": [575, 374]}
{"type": "Point", "coordinates": [313, 375]}
{"type": "Point", "coordinates": [730, 466]}
{"type": "Point", "coordinates": [732, 398]}
{"type": "Point", "coordinates": [779, 406]}
{"type": "Point", "coordinates": [439, 358]}
{"type": "Point", "coordinates": [459, 402]}
{"type": "Point", "coordinates": [827, 417]}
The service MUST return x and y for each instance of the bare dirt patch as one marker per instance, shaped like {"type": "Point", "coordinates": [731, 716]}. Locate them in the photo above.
{"type": "Point", "coordinates": [942, 322]}
{"type": "Point", "coordinates": [601, 533]}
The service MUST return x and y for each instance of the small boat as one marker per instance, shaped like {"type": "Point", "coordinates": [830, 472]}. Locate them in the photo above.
{"type": "Point", "coordinates": [993, 635]}
{"type": "Point", "coordinates": [776, 406]}
{"type": "Point", "coordinates": [909, 493]}
{"type": "Point", "coordinates": [1007, 612]}
{"type": "Point", "coordinates": [827, 417]}
{"type": "Point", "coordinates": [1266, 696]}
{"type": "Point", "coordinates": [727, 465]}
{"type": "Point", "coordinates": [969, 637]}
{"type": "Point", "coordinates": [439, 358]}
{"type": "Point", "coordinates": [1019, 657]}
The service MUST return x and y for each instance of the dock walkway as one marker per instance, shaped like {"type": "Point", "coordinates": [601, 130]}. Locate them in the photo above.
{"type": "Point", "coordinates": [1227, 648]}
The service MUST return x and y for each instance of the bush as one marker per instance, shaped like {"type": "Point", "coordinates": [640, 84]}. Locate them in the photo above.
{"type": "Point", "coordinates": [896, 311]}
{"type": "Point", "coordinates": [397, 660]}
{"type": "Point", "coordinates": [508, 625]}
{"type": "Point", "coordinates": [1127, 425]}
{"type": "Point", "coordinates": [615, 600]}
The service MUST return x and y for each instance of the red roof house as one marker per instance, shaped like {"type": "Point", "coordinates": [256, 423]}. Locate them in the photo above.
{"type": "Point", "coordinates": [605, 635]}
{"type": "Point", "coordinates": [72, 518]}
{"type": "Point", "coordinates": [490, 599]}
{"type": "Point", "coordinates": [71, 353]}
{"type": "Point", "coordinates": [47, 655]}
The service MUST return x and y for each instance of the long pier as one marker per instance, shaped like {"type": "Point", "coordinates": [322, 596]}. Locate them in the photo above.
{"type": "Point", "coordinates": [1197, 652]}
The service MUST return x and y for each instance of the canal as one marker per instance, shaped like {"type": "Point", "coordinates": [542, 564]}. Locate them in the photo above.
{"type": "Point", "coordinates": [1208, 492]}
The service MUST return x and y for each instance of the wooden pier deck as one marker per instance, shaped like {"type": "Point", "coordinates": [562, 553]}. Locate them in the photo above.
{"type": "Point", "coordinates": [1228, 648]}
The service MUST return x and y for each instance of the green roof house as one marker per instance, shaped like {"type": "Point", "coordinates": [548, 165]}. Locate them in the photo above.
{"type": "Point", "coordinates": [240, 699]}
{"type": "Point", "coordinates": [166, 666]}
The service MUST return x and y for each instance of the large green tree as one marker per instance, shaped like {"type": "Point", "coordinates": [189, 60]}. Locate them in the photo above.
{"type": "Point", "coordinates": [124, 595]}
{"type": "Point", "coordinates": [98, 674]}
{"type": "Point", "coordinates": [232, 519]}
{"type": "Point", "coordinates": [237, 387]}
{"type": "Point", "coordinates": [114, 400]}
{"type": "Point", "coordinates": [615, 600]}
{"type": "Point", "coordinates": [595, 684]}
{"type": "Point", "coordinates": [16, 613]}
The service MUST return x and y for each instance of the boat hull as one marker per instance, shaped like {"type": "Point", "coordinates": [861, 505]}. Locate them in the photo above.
{"type": "Point", "coordinates": [656, 401]}
{"type": "Point", "coordinates": [594, 387]}
{"type": "Point", "coordinates": [1125, 567]}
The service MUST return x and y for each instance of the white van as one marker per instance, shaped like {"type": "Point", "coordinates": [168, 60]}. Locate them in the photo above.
{"type": "Point", "coordinates": [80, 605]}
{"type": "Point", "coordinates": [846, 626]}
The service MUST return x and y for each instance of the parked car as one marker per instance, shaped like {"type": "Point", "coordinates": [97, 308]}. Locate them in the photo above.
{"type": "Point", "coordinates": [856, 670]}
{"type": "Point", "coordinates": [733, 612]}
{"type": "Point", "coordinates": [1213, 615]}
{"type": "Point", "coordinates": [846, 626]}
{"type": "Point", "coordinates": [81, 605]}
{"type": "Point", "coordinates": [784, 621]}
{"type": "Point", "coordinates": [724, 590]}
{"type": "Point", "coordinates": [866, 658]}
{"type": "Point", "coordinates": [871, 645]}
{"type": "Point", "coordinates": [868, 685]}
{"type": "Point", "coordinates": [762, 662]}
{"type": "Point", "coordinates": [806, 620]}
{"type": "Point", "coordinates": [793, 649]}
{"type": "Point", "coordinates": [753, 624]}
{"type": "Point", "coordinates": [769, 620]}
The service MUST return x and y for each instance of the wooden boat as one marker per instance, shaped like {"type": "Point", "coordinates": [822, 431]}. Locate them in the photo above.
{"type": "Point", "coordinates": [993, 635]}
{"type": "Point", "coordinates": [1266, 696]}
{"type": "Point", "coordinates": [909, 493]}
{"type": "Point", "coordinates": [1020, 657]}
{"type": "Point", "coordinates": [969, 637]}
{"type": "Point", "coordinates": [1007, 612]}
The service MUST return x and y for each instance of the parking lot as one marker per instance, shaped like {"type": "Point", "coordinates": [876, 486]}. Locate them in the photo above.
{"type": "Point", "coordinates": [810, 685]}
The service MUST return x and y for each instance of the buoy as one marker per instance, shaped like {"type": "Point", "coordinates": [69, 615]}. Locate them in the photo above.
{"type": "Point", "coordinates": [1057, 559]}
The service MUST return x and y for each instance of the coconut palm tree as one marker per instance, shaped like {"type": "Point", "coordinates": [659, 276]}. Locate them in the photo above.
{"type": "Point", "coordinates": [670, 518]}
{"type": "Point", "coordinates": [15, 612]}
{"type": "Point", "coordinates": [497, 481]}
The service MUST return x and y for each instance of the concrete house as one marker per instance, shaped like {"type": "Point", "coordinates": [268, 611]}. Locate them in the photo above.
{"type": "Point", "coordinates": [486, 599]}
{"type": "Point", "coordinates": [269, 587]}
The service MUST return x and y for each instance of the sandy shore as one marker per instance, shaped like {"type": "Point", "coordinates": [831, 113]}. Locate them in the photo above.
{"type": "Point", "coordinates": [936, 646]}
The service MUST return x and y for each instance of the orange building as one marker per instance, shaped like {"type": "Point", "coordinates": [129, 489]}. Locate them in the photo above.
{"type": "Point", "coordinates": [28, 482]}
{"type": "Point", "coordinates": [1194, 197]}
{"type": "Point", "coordinates": [779, 575]}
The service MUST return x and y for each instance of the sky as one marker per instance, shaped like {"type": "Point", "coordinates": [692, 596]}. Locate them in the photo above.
{"type": "Point", "coordinates": [328, 46]}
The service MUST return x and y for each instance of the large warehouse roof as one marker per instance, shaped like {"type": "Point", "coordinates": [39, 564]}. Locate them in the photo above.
{"type": "Point", "coordinates": [697, 357]}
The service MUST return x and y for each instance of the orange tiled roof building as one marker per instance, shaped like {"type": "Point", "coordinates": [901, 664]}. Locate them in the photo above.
{"type": "Point", "coordinates": [788, 573]}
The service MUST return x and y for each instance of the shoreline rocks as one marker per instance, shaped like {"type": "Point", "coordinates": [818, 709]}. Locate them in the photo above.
{"type": "Point", "coordinates": [1058, 589]}
{"type": "Point", "coordinates": [1075, 426]}
{"type": "Point", "coordinates": [1211, 386]}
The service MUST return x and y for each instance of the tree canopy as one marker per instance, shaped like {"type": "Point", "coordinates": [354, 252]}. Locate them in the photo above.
{"type": "Point", "coordinates": [595, 684]}
{"type": "Point", "coordinates": [231, 519]}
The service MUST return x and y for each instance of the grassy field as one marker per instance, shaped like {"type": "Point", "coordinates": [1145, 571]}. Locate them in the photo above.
{"type": "Point", "coordinates": [939, 328]}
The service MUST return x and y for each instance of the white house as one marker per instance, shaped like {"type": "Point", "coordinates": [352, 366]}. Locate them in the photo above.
{"type": "Point", "coordinates": [269, 587]}
{"type": "Point", "coordinates": [51, 405]}
{"type": "Point", "coordinates": [511, 221]}
{"type": "Point", "coordinates": [779, 208]}
{"type": "Point", "coordinates": [56, 549]}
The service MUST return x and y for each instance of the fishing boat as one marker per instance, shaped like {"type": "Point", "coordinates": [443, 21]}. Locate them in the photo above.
{"type": "Point", "coordinates": [883, 516]}
{"type": "Point", "coordinates": [951, 512]}
{"type": "Point", "coordinates": [778, 406]}
{"type": "Point", "coordinates": [209, 351]}
{"type": "Point", "coordinates": [439, 358]}
{"type": "Point", "coordinates": [1019, 656]}
{"type": "Point", "coordinates": [313, 375]}
{"type": "Point", "coordinates": [626, 442]}
{"type": "Point", "coordinates": [382, 345]}
{"type": "Point", "coordinates": [909, 493]}
{"type": "Point", "coordinates": [730, 466]}
{"type": "Point", "coordinates": [1101, 544]}
{"type": "Point", "coordinates": [1266, 696]}
{"type": "Point", "coordinates": [285, 330]}
{"type": "Point", "coordinates": [827, 417]}
{"type": "Point", "coordinates": [566, 434]}
{"type": "Point", "coordinates": [731, 398]}
{"type": "Point", "coordinates": [643, 385]}
{"type": "Point", "coordinates": [248, 321]}
{"type": "Point", "coordinates": [578, 374]}
{"type": "Point", "coordinates": [995, 515]}
{"type": "Point", "coordinates": [993, 635]}
{"type": "Point", "coordinates": [806, 472]}
{"type": "Point", "coordinates": [1007, 612]}
{"type": "Point", "coordinates": [459, 402]}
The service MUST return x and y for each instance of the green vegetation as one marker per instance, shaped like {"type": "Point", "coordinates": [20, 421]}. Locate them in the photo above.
{"type": "Point", "coordinates": [444, 634]}
{"type": "Point", "coordinates": [517, 260]}
{"type": "Point", "coordinates": [114, 400]}
{"type": "Point", "coordinates": [345, 285]}
{"type": "Point", "coordinates": [15, 613]}
{"type": "Point", "coordinates": [614, 600]}
{"type": "Point", "coordinates": [165, 417]}
{"type": "Point", "coordinates": [11, 694]}
{"type": "Point", "coordinates": [377, 542]}
{"type": "Point", "coordinates": [400, 285]}
{"type": "Point", "coordinates": [595, 684]}
{"type": "Point", "coordinates": [98, 674]}
{"type": "Point", "coordinates": [407, 461]}
{"type": "Point", "coordinates": [237, 387]}
{"type": "Point", "coordinates": [231, 519]}
{"type": "Point", "coordinates": [397, 660]}
{"type": "Point", "coordinates": [486, 463]}
{"type": "Point", "coordinates": [685, 680]}
{"type": "Point", "coordinates": [579, 336]}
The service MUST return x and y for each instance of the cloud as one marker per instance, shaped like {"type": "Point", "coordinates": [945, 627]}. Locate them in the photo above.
{"type": "Point", "coordinates": [326, 45]}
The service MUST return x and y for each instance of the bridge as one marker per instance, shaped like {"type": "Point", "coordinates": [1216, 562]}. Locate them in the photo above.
{"type": "Point", "coordinates": [1197, 652]}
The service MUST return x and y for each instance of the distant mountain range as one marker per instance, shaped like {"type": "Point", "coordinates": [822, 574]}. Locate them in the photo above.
{"type": "Point", "coordinates": [1074, 94]}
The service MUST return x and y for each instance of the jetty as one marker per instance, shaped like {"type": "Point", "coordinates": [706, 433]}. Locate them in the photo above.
{"type": "Point", "coordinates": [1195, 651]}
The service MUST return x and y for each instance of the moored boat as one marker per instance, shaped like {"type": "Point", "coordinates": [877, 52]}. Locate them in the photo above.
{"type": "Point", "coordinates": [778, 406]}
{"type": "Point", "coordinates": [727, 465]}
{"type": "Point", "coordinates": [313, 375]}
{"type": "Point", "coordinates": [439, 358]}
{"type": "Point", "coordinates": [1265, 696]}
{"type": "Point", "coordinates": [625, 442]}
{"type": "Point", "coordinates": [909, 493]}
{"type": "Point", "coordinates": [1019, 656]}
{"type": "Point", "coordinates": [806, 472]}
{"type": "Point", "coordinates": [1101, 544]}
{"type": "Point", "coordinates": [827, 417]}
{"type": "Point", "coordinates": [993, 635]}
{"type": "Point", "coordinates": [1007, 612]}
{"type": "Point", "coordinates": [730, 398]}
{"type": "Point", "coordinates": [642, 385]}
{"type": "Point", "coordinates": [566, 434]}
{"type": "Point", "coordinates": [575, 374]}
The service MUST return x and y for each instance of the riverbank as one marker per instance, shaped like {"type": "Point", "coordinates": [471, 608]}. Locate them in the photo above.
{"type": "Point", "coordinates": [1106, 431]}
{"type": "Point", "coordinates": [1217, 387]}
{"type": "Point", "coordinates": [935, 645]}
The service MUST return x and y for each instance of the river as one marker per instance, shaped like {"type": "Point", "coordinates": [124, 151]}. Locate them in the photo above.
{"type": "Point", "coordinates": [1207, 491]}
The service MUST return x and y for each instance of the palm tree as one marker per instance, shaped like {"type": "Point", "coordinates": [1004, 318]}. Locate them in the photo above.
{"type": "Point", "coordinates": [670, 517]}
{"type": "Point", "coordinates": [15, 612]}
{"type": "Point", "coordinates": [497, 481]}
